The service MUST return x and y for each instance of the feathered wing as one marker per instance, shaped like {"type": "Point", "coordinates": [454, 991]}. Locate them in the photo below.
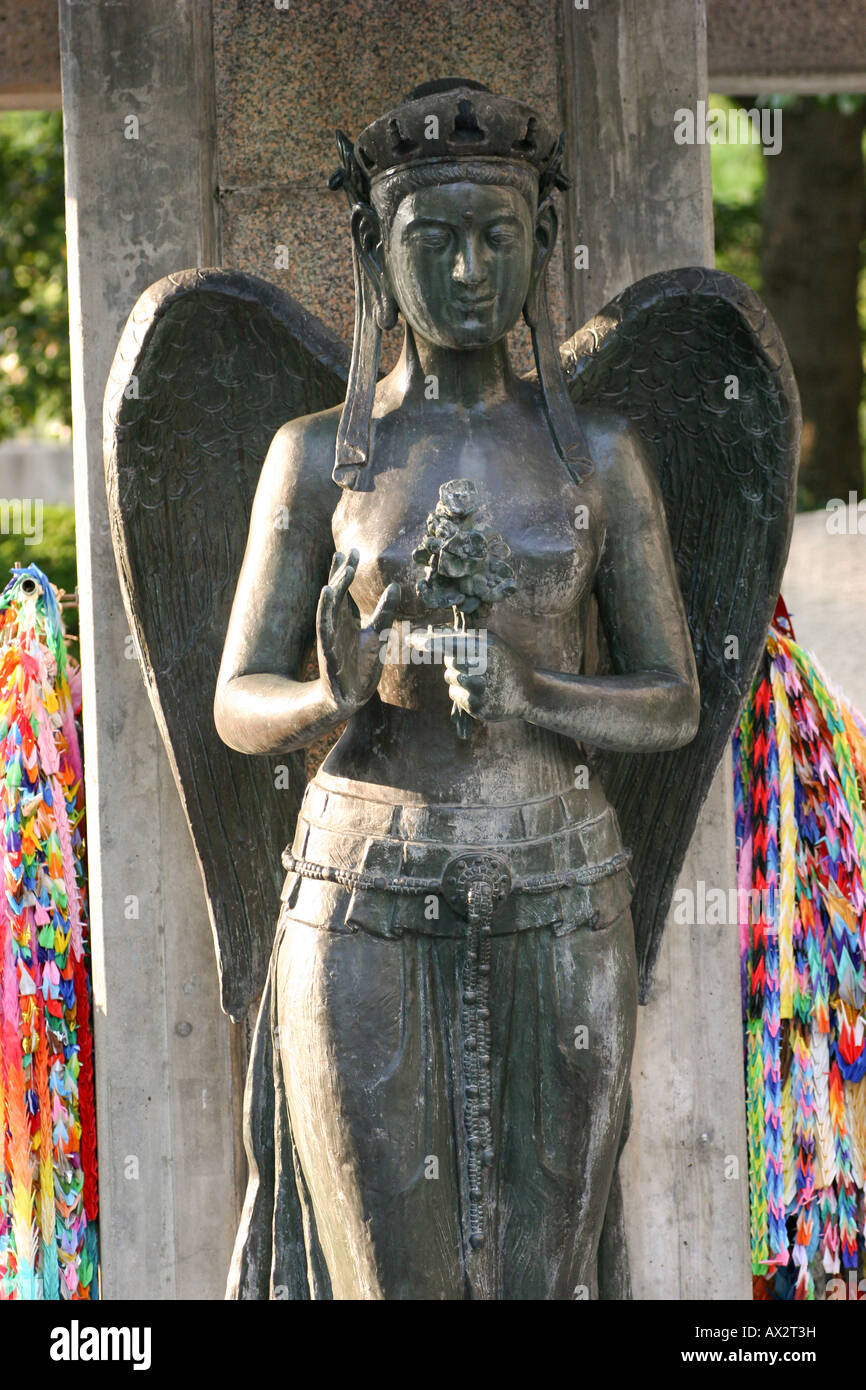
{"type": "Point", "coordinates": [210, 365]}
{"type": "Point", "coordinates": [693, 359]}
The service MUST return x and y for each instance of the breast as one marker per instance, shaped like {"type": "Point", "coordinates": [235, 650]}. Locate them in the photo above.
{"type": "Point", "coordinates": [553, 558]}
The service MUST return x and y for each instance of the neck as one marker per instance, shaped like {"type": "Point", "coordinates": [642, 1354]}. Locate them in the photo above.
{"type": "Point", "coordinates": [469, 377]}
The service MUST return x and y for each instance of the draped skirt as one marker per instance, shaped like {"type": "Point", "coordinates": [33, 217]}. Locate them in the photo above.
{"type": "Point", "coordinates": [365, 1176]}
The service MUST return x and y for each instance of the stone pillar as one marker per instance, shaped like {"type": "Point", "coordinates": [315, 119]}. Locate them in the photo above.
{"type": "Point", "coordinates": [642, 203]}
{"type": "Point", "coordinates": [140, 204]}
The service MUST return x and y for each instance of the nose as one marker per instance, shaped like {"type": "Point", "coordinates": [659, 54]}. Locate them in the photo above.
{"type": "Point", "coordinates": [469, 269]}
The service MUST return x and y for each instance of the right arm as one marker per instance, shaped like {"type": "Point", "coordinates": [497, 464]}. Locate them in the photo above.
{"type": "Point", "coordinates": [284, 600]}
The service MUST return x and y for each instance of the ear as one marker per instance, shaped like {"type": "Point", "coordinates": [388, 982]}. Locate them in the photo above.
{"type": "Point", "coordinates": [546, 229]}
{"type": "Point", "coordinates": [367, 236]}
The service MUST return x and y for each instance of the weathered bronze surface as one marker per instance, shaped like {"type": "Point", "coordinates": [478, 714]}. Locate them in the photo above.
{"type": "Point", "coordinates": [438, 1088]}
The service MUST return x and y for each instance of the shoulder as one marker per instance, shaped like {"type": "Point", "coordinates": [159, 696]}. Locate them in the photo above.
{"type": "Point", "coordinates": [300, 459]}
{"type": "Point", "coordinates": [620, 460]}
{"type": "Point", "coordinates": [613, 441]}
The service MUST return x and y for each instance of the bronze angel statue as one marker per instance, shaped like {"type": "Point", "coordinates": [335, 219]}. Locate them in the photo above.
{"type": "Point", "coordinates": [482, 865]}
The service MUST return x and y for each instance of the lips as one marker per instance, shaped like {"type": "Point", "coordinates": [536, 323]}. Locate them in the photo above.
{"type": "Point", "coordinates": [479, 303]}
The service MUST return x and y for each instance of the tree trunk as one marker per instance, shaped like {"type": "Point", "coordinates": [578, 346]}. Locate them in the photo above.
{"type": "Point", "coordinates": [814, 216]}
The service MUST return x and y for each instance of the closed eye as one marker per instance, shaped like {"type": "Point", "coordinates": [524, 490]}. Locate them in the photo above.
{"type": "Point", "coordinates": [501, 235]}
{"type": "Point", "coordinates": [431, 238]}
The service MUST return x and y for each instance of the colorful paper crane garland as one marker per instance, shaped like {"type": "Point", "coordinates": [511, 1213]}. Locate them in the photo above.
{"type": "Point", "coordinates": [48, 1196]}
{"type": "Point", "coordinates": [799, 794]}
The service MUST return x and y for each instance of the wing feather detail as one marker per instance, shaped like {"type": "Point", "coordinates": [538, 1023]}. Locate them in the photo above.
{"type": "Point", "coordinates": [694, 360]}
{"type": "Point", "coordinates": [210, 365]}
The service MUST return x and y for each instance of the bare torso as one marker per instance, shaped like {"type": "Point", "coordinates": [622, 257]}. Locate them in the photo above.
{"type": "Point", "coordinates": [402, 741]}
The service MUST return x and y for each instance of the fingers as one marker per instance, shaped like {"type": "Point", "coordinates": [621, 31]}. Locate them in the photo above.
{"type": "Point", "coordinates": [325, 609]}
{"type": "Point", "coordinates": [342, 574]}
{"type": "Point", "coordinates": [325, 631]}
{"type": "Point", "coordinates": [343, 569]}
{"type": "Point", "coordinates": [334, 589]}
{"type": "Point", "coordinates": [383, 613]}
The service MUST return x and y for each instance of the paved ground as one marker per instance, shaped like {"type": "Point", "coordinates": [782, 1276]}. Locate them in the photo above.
{"type": "Point", "coordinates": [825, 590]}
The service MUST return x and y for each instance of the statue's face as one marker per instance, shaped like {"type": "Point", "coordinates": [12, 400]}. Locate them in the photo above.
{"type": "Point", "coordinates": [459, 260]}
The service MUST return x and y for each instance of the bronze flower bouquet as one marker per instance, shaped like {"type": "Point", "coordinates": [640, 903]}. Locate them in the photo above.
{"type": "Point", "coordinates": [465, 564]}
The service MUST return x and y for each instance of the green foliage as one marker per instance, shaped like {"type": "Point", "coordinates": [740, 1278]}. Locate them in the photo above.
{"type": "Point", "coordinates": [738, 241]}
{"type": "Point", "coordinates": [738, 188]}
{"type": "Point", "coordinates": [54, 554]}
{"type": "Point", "coordinates": [34, 327]}
{"type": "Point", "coordinates": [845, 102]}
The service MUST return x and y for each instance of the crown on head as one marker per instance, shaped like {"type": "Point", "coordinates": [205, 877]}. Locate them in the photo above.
{"type": "Point", "coordinates": [452, 118]}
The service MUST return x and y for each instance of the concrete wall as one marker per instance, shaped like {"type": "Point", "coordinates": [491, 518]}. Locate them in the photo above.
{"type": "Point", "coordinates": [825, 590]}
{"type": "Point", "coordinates": [35, 468]}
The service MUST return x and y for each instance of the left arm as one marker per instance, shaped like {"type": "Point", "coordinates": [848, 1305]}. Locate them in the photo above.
{"type": "Point", "coordinates": [653, 700]}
